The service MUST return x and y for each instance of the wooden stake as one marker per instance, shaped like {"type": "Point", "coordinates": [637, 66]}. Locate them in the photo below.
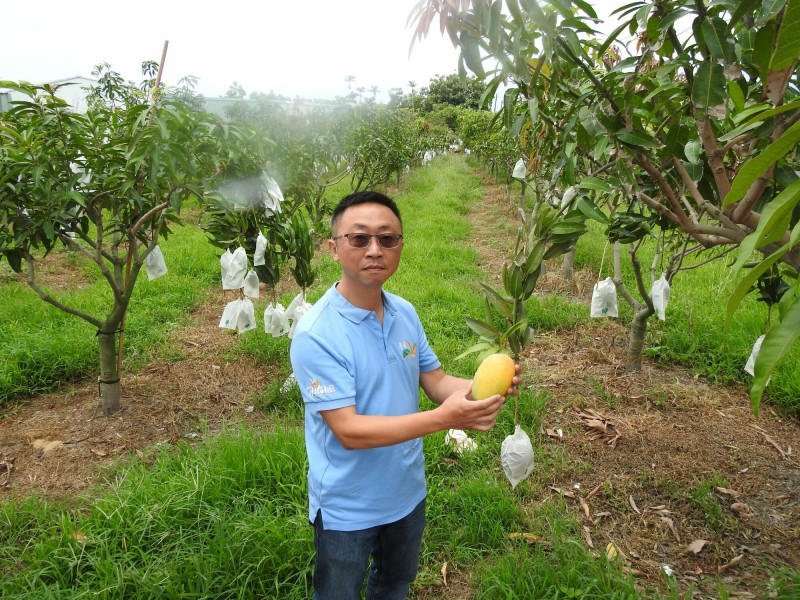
{"type": "Point", "coordinates": [132, 243]}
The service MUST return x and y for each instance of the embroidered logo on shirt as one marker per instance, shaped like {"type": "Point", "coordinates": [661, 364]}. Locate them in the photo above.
{"type": "Point", "coordinates": [409, 350]}
{"type": "Point", "coordinates": [317, 389]}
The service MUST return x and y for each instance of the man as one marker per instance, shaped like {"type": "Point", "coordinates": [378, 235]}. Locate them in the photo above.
{"type": "Point", "coordinates": [360, 355]}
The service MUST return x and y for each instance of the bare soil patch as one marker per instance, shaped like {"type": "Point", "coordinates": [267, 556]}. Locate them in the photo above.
{"type": "Point", "coordinates": [676, 473]}
{"type": "Point", "coordinates": [654, 460]}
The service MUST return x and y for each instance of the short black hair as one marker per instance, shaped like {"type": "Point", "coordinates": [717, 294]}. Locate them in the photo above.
{"type": "Point", "coordinates": [361, 198]}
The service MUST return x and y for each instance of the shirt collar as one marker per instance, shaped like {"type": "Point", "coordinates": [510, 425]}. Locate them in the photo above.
{"type": "Point", "coordinates": [354, 313]}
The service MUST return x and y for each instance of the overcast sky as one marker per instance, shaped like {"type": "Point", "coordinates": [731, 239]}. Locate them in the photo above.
{"type": "Point", "coordinates": [291, 47]}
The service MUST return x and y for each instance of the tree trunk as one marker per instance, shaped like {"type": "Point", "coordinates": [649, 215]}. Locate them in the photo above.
{"type": "Point", "coordinates": [109, 375]}
{"type": "Point", "coordinates": [568, 264]}
{"type": "Point", "coordinates": [637, 335]}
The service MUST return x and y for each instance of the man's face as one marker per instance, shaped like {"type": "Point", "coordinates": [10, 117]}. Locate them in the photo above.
{"type": "Point", "coordinates": [373, 265]}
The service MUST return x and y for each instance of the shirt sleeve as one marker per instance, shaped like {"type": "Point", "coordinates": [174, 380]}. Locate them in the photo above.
{"type": "Point", "coordinates": [324, 374]}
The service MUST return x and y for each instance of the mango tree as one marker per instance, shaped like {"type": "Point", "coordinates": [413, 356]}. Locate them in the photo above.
{"type": "Point", "coordinates": [107, 184]}
{"type": "Point", "coordinates": [699, 121]}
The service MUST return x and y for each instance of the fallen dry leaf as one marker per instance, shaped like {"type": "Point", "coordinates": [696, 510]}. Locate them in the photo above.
{"type": "Point", "coordinates": [46, 445]}
{"type": "Point", "coordinates": [727, 491]}
{"type": "Point", "coordinates": [611, 551]}
{"type": "Point", "coordinates": [600, 427]}
{"type": "Point", "coordinates": [529, 538]}
{"type": "Point", "coordinates": [696, 547]}
{"type": "Point", "coordinates": [741, 510]}
{"type": "Point", "coordinates": [566, 493]}
{"type": "Point", "coordinates": [672, 527]}
{"type": "Point", "coordinates": [556, 434]}
{"type": "Point", "coordinates": [633, 572]}
{"type": "Point", "coordinates": [587, 537]}
{"type": "Point", "coordinates": [79, 536]}
{"type": "Point", "coordinates": [633, 505]}
{"type": "Point", "coordinates": [5, 469]}
{"type": "Point", "coordinates": [443, 571]}
{"type": "Point", "coordinates": [592, 494]}
{"type": "Point", "coordinates": [100, 453]}
{"type": "Point", "coordinates": [729, 565]}
{"type": "Point", "coordinates": [585, 507]}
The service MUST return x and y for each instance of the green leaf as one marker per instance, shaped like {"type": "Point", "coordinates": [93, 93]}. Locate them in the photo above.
{"type": "Point", "coordinates": [787, 47]}
{"type": "Point", "coordinates": [503, 305]}
{"type": "Point", "coordinates": [745, 7]}
{"type": "Point", "coordinates": [769, 9]}
{"type": "Point", "coordinates": [777, 343]}
{"type": "Point", "coordinates": [482, 329]}
{"type": "Point", "coordinates": [771, 112]}
{"type": "Point", "coordinates": [714, 31]}
{"type": "Point", "coordinates": [479, 347]}
{"type": "Point", "coordinates": [637, 138]}
{"type": "Point", "coordinates": [736, 95]}
{"type": "Point", "coordinates": [594, 183]}
{"type": "Point", "coordinates": [772, 225]}
{"type": "Point", "coordinates": [749, 280]}
{"type": "Point", "coordinates": [592, 211]}
{"type": "Point", "coordinates": [610, 39]}
{"type": "Point", "coordinates": [758, 165]}
{"type": "Point", "coordinates": [709, 85]}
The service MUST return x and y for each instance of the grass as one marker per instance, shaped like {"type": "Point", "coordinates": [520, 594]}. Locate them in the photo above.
{"type": "Point", "coordinates": [44, 347]}
{"type": "Point", "coordinates": [227, 518]}
{"type": "Point", "coordinates": [696, 333]}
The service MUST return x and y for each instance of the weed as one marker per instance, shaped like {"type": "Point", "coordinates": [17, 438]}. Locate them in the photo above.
{"type": "Point", "coordinates": [704, 498]}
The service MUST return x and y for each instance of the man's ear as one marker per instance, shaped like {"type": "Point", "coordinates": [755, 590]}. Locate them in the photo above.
{"type": "Point", "coordinates": [332, 248]}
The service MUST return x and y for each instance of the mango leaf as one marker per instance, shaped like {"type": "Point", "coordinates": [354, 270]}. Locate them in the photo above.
{"type": "Point", "coordinates": [637, 138]}
{"type": "Point", "coordinates": [772, 225]}
{"type": "Point", "coordinates": [769, 8]}
{"type": "Point", "coordinates": [487, 332]}
{"type": "Point", "coordinates": [777, 343]}
{"type": "Point", "coordinates": [747, 282]}
{"type": "Point", "coordinates": [767, 114]}
{"type": "Point", "coordinates": [714, 32]}
{"type": "Point", "coordinates": [787, 47]}
{"type": "Point", "coordinates": [610, 39]}
{"type": "Point", "coordinates": [594, 183]}
{"type": "Point", "coordinates": [592, 211]}
{"type": "Point", "coordinates": [709, 85]}
{"type": "Point", "coordinates": [745, 7]}
{"type": "Point", "coordinates": [479, 347]}
{"type": "Point", "coordinates": [758, 165]}
{"type": "Point", "coordinates": [503, 305]}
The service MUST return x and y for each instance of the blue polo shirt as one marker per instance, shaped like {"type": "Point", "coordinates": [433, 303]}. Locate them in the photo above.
{"type": "Point", "coordinates": [342, 356]}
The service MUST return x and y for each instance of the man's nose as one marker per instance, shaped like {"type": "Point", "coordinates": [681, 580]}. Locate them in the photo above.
{"type": "Point", "coordinates": [374, 246]}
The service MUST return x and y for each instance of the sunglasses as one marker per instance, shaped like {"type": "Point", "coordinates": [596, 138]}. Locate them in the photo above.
{"type": "Point", "coordinates": [362, 240]}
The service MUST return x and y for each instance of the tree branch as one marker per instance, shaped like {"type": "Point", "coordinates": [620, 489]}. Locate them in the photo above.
{"type": "Point", "coordinates": [31, 280]}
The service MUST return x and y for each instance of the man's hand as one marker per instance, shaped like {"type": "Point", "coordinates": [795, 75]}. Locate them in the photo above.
{"type": "Point", "coordinates": [461, 413]}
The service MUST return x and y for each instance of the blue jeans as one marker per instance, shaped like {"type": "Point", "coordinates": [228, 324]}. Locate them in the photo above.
{"type": "Point", "coordinates": [342, 558]}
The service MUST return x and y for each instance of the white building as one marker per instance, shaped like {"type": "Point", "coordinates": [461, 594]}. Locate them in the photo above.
{"type": "Point", "coordinates": [71, 89]}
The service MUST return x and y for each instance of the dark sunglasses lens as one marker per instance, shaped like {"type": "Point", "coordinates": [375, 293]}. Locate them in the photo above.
{"type": "Point", "coordinates": [358, 240]}
{"type": "Point", "coordinates": [388, 241]}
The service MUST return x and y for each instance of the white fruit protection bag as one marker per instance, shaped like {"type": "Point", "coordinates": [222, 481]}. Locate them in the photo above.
{"type": "Point", "coordinates": [276, 323]}
{"type": "Point", "coordinates": [261, 248]}
{"type": "Point", "coordinates": [604, 299]}
{"type": "Point", "coordinates": [516, 456]}
{"type": "Point", "coordinates": [459, 441]}
{"type": "Point", "coordinates": [520, 170]}
{"type": "Point", "coordinates": [251, 284]}
{"type": "Point", "coordinates": [659, 293]}
{"type": "Point", "coordinates": [234, 268]}
{"type": "Point", "coordinates": [154, 264]}
{"type": "Point", "coordinates": [247, 317]}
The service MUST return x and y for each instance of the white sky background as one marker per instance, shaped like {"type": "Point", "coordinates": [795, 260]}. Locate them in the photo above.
{"type": "Point", "coordinates": [295, 48]}
{"type": "Point", "coordinates": [302, 48]}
